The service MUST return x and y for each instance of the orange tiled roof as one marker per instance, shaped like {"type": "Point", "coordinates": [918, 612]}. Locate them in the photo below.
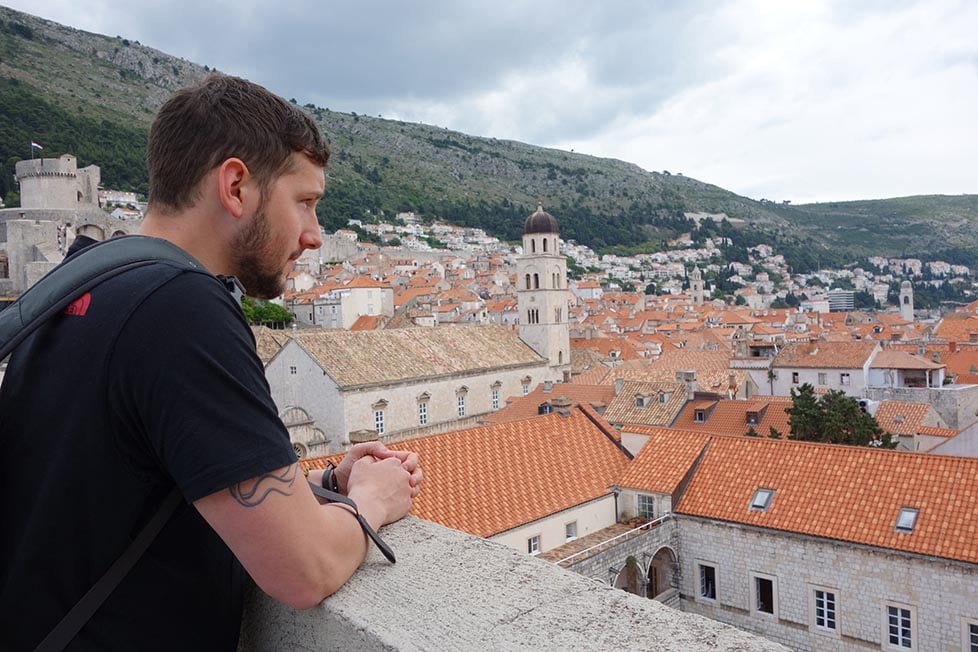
{"type": "Point", "coordinates": [899, 418]}
{"type": "Point", "coordinates": [841, 492]}
{"type": "Point", "coordinates": [937, 432]}
{"type": "Point", "coordinates": [525, 407]}
{"type": "Point", "coordinates": [824, 355]}
{"type": "Point", "coordinates": [957, 327]}
{"type": "Point", "coordinates": [902, 360]}
{"type": "Point", "coordinates": [490, 479]}
{"type": "Point", "coordinates": [729, 416]}
{"type": "Point", "coordinates": [367, 323]}
{"type": "Point", "coordinates": [622, 408]}
{"type": "Point", "coordinates": [664, 459]}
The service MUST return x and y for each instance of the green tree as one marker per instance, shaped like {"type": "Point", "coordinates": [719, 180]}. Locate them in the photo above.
{"type": "Point", "coordinates": [266, 313]}
{"type": "Point", "coordinates": [805, 414]}
{"type": "Point", "coordinates": [835, 418]}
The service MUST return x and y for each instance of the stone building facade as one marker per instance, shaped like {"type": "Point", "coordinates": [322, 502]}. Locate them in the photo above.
{"type": "Point", "coordinates": [401, 382]}
{"type": "Point", "coordinates": [860, 585]}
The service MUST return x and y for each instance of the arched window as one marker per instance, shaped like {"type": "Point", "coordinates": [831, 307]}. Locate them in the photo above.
{"type": "Point", "coordinates": [536, 281]}
{"type": "Point", "coordinates": [527, 281]}
{"type": "Point", "coordinates": [533, 245]}
{"type": "Point", "coordinates": [560, 357]}
{"type": "Point", "coordinates": [544, 245]}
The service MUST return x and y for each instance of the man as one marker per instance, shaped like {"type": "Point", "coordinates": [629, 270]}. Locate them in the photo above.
{"type": "Point", "coordinates": [153, 381]}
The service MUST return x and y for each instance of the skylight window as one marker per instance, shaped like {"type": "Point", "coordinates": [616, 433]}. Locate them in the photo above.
{"type": "Point", "coordinates": [762, 500]}
{"type": "Point", "coordinates": [907, 519]}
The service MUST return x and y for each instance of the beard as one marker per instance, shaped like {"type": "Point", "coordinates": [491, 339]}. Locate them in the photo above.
{"type": "Point", "coordinates": [255, 262]}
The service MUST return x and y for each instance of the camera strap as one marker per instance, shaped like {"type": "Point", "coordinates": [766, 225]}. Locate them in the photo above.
{"type": "Point", "coordinates": [333, 497]}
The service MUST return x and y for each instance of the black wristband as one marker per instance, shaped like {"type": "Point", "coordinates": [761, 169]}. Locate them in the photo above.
{"type": "Point", "coordinates": [330, 482]}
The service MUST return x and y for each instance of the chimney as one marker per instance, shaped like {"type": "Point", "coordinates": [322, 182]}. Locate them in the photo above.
{"type": "Point", "coordinates": [562, 405]}
{"type": "Point", "coordinates": [619, 385]}
{"type": "Point", "coordinates": [361, 436]}
{"type": "Point", "coordinates": [548, 386]}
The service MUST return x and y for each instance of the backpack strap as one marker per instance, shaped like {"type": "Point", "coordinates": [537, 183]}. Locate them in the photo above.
{"type": "Point", "coordinates": [73, 621]}
{"type": "Point", "coordinates": [79, 274]}
{"type": "Point", "coordinates": [48, 297]}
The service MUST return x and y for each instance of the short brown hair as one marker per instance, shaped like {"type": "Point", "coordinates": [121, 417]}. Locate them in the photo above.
{"type": "Point", "coordinates": [222, 117]}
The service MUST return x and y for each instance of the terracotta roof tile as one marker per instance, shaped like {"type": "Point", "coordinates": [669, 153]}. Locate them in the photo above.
{"type": "Point", "coordinates": [842, 492]}
{"type": "Point", "coordinates": [730, 416]}
{"type": "Point", "coordinates": [268, 341]}
{"type": "Point", "coordinates": [490, 479]}
{"type": "Point", "coordinates": [622, 409]}
{"type": "Point", "coordinates": [824, 355]}
{"type": "Point", "coordinates": [387, 356]}
{"type": "Point", "coordinates": [899, 418]}
{"type": "Point", "coordinates": [664, 459]}
{"type": "Point", "coordinates": [525, 407]}
{"type": "Point", "coordinates": [902, 360]}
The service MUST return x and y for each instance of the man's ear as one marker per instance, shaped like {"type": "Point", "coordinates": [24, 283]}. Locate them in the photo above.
{"type": "Point", "coordinates": [234, 186]}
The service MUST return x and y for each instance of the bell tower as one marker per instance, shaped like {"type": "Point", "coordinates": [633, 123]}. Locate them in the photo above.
{"type": "Point", "coordinates": [906, 301]}
{"type": "Point", "coordinates": [542, 292]}
{"type": "Point", "coordinates": [696, 286]}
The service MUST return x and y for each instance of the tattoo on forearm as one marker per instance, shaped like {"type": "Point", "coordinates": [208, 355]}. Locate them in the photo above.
{"type": "Point", "coordinates": [254, 492]}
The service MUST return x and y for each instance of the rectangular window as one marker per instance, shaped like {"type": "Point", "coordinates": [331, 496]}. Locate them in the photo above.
{"type": "Point", "coordinates": [379, 421]}
{"type": "Point", "coordinates": [764, 594]}
{"type": "Point", "coordinates": [646, 506]}
{"type": "Point", "coordinates": [969, 635]}
{"type": "Point", "coordinates": [533, 545]}
{"type": "Point", "coordinates": [844, 378]}
{"type": "Point", "coordinates": [570, 531]}
{"type": "Point", "coordinates": [899, 626]}
{"type": "Point", "coordinates": [526, 388]}
{"type": "Point", "coordinates": [708, 582]}
{"type": "Point", "coordinates": [794, 377]}
{"type": "Point", "coordinates": [823, 378]}
{"type": "Point", "coordinates": [423, 413]}
{"type": "Point", "coordinates": [824, 610]}
{"type": "Point", "coordinates": [699, 416]}
{"type": "Point", "coordinates": [460, 401]}
{"type": "Point", "coordinates": [495, 398]}
{"type": "Point", "coordinates": [293, 370]}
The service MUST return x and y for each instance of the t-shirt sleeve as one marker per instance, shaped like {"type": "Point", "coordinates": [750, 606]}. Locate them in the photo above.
{"type": "Point", "coordinates": [186, 381]}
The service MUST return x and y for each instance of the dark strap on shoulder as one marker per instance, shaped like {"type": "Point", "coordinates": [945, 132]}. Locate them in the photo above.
{"type": "Point", "coordinates": [76, 275]}
{"type": "Point", "coordinates": [79, 274]}
{"type": "Point", "coordinates": [84, 609]}
{"type": "Point", "coordinates": [334, 497]}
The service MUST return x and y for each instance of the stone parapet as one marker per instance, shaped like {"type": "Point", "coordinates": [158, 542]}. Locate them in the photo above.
{"type": "Point", "coordinates": [453, 591]}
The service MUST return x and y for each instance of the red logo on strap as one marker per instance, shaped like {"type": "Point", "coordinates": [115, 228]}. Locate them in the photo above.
{"type": "Point", "coordinates": [79, 306]}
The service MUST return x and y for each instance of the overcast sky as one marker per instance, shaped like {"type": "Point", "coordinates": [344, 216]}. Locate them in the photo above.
{"type": "Point", "coordinates": [807, 101]}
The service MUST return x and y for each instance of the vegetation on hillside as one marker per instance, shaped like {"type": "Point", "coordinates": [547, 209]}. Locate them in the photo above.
{"type": "Point", "coordinates": [94, 96]}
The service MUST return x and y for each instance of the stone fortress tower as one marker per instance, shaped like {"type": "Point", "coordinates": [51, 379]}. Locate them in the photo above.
{"type": "Point", "coordinates": [542, 292]}
{"type": "Point", "coordinates": [58, 202]}
{"type": "Point", "coordinates": [906, 300]}
{"type": "Point", "coordinates": [57, 183]}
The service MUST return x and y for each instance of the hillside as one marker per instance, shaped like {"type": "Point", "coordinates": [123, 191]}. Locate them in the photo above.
{"type": "Point", "coordinates": [95, 96]}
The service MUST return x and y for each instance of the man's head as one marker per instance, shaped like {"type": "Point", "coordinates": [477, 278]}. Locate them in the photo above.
{"type": "Point", "coordinates": [222, 117]}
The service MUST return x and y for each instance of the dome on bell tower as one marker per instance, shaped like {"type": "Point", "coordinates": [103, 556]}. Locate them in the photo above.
{"type": "Point", "coordinates": [540, 222]}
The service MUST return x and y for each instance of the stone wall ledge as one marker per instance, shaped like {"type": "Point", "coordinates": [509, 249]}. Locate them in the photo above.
{"type": "Point", "coordinates": [453, 591]}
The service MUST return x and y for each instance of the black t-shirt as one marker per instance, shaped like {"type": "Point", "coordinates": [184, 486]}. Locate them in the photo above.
{"type": "Point", "coordinates": [151, 379]}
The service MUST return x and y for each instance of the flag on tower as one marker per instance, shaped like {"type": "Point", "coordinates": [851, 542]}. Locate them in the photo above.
{"type": "Point", "coordinates": [35, 145]}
